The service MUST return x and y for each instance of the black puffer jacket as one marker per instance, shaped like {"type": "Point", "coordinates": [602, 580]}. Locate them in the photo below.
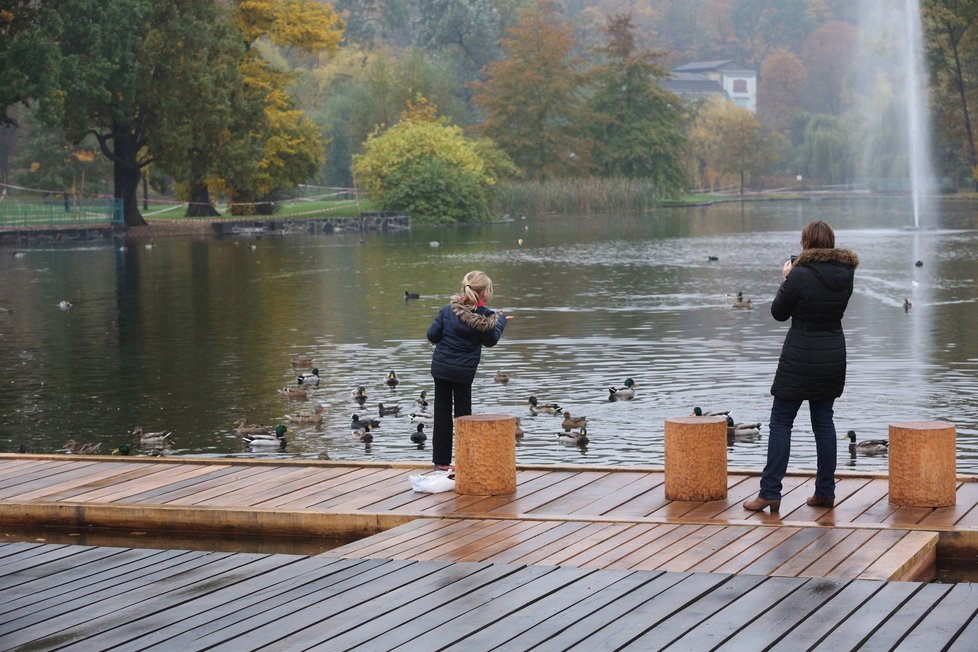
{"type": "Point", "coordinates": [459, 333]}
{"type": "Point", "coordinates": [814, 296]}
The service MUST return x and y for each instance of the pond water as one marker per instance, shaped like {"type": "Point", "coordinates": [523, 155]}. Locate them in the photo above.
{"type": "Point", "coordinates": [189, 335]}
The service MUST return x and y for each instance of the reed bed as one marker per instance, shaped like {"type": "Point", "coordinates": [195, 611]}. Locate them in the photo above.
{"type": "Point", "coordinates": [590, 195]}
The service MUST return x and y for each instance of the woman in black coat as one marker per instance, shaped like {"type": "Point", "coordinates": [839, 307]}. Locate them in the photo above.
{"type": "Point", "coordinates": [459, 332]}
{"type": "Point", "coordinates": [812, 367]}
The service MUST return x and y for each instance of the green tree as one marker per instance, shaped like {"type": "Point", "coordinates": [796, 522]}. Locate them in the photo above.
{"type": "Point", "coordinates": [532, 98]}
{"type": "Point", "coordinates": [426, 168]}
{"type": "Point", "coordinates": [638, 125]}
{"type": "Point", "coordinates": [29, 58]}
{"type": "Point", "coordinates": [824, 153]}
{"type": "Point", "coordinates": [50, 161]}
{"type": "Point", "coordinates": [952, 36]}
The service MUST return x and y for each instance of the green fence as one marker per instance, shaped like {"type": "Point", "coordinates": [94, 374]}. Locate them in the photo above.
{"type": "Point", "coordinates": [16, 213]}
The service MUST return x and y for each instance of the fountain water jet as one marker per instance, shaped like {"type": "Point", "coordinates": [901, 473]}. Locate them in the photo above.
{"type": "Point", "coordinates": [892, 57]}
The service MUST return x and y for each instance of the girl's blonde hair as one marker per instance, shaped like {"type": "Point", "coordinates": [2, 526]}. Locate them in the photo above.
{"type": "Point", "coordinates": [474, 285]}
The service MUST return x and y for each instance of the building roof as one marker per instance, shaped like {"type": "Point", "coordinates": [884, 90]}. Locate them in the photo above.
{"type": "Point", "coordinates": [691, 84]}
{"type": "Point", "coordinates": [725, 65]}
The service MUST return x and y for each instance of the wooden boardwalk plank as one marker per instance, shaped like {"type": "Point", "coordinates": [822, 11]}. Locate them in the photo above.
{"type": "Point", "coordinates": [817, 625]}
{"type": "Point", "coordinates": [60, 486]}
{"type": "Point", "coordinates": [966, 499]}
{"type": "Point", "coordinates": [341, 486]}
{"type": "Point", "coordinates": [649, 548]}
{"type": "Point", "coordinates": [663, 558]}
{"type": "Point", "coordinates": [861, 623]}
{"type": "Point", "coordinates": [646, 534]}
{"type": "Point", "coordinates": [40, 473]}
{"type": "Point", "coordinates": [905, 617]}
{"type": "Point", "coordinates": [184, 487]}
{"type": "Point", "coordinates": [705, 548]}
{"type": "Point", "coordinates": [942, 625]}
{"type": "Point", "coordinates": [536, 544]}
{"type": "Point", "coordinates": [657, 622]}
{"type": "Point", "coordinates": [147, 482]}
{"type": "Point", "coordinates": [527, 537]}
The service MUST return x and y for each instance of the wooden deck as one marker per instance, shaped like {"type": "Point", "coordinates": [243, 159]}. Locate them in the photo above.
{"type": "Point", "coordinates": [90, 598]}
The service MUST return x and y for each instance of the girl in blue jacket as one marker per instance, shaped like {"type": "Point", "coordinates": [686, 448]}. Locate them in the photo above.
{"type": "Point", "coordinates": [459, 332]}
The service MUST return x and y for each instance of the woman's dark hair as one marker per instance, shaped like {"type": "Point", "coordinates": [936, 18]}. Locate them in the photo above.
{"type": "Point", "coordinates": [817, 235]}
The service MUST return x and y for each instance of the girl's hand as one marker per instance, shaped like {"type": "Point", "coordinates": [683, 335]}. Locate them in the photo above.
{"type": "Point", "coordinates": [786, 268]}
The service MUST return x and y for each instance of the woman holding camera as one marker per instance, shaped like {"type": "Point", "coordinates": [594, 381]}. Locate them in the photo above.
{"type": "Point", "coordinates": [812, 367]}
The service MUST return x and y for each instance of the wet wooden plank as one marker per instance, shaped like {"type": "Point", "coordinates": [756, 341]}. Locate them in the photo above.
{"type": "Point", "coordinates": [41, 472]}
{"type": "Point", "coordinates": [784, 551]}
{"type": "Point", "coordinates": [737, 511]}
{"type": "Point", "coordinates": [594, 535]}
{"type": "Point", "coordinates": [902, 620]}
{"type": "Point", "coordinates": [579, 501]}
{"type": "Point", "coordinates": [838, 545]}
{"type": "Point", "coordinates": [339, 615]}
{"type": "Point", "coordinates": [867, 554]}
{"type": "Point", "coordinates": [462, 542]}
{"type": "Point", "coordinates": [240, 480]}
{"type": "Point", "coordinates": [706, 548]}
{"type": "Point", "coordinates": [944, 624]}
{"type": "Point", "coordinates": [394, 485]}
{"type": "Point", "coordinates": [478, 505]}
{"type": "Point", "coordinates": [66, 483]}
{"type": "Point", "coordinates": [657, 622]}
{"type": "Point", "coordinates": [853, 496]}
{"type": "Point", "coordinates": [341, 486]}
{"type": "Point", "coordinates": [273, 485]}
{"type": "Point", "coordinates": [653, 547]}
{"type": "Point", "coordinates": [750, 541]}
{"type": "Point", "coordinates": [904, 558]}
{"type": "Point", "coordinates": [840, 605]}
{"type": "Point", "coordinates": [381, 539]}
{"type": "Point", "coordinates": [538, 500]}
{"type": "Point", "coordinates": [536, 545]}
{"type": "Point", "coordinates": [151, 623]}
{"type": "Point", "coordinates": [528, 538]}
{"type": "Point", "coordinates": [570, 625]}
{"type": "Point", "coordinates": [187, 486]}
{"type": "Point", "coordinates": [739, 489]}
{"type": "Point", "coordinates": [622, 538]}
{"type": "Point", "coordinates": [965, 501]}
{"type": "Point", "coordinates": [865, 620]}
{"type": "Point", "coordinates": [160, 478]}
{"type": "Point", "coordinates": [663, 557]}
{"type": "Point", "coordinates": [606, 505]}
{"type": "Point", "coordinates": [646, 534]}
{"type": "Point", "coordinates": [433, 537]}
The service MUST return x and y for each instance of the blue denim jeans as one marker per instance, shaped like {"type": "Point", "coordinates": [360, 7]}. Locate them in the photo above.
{"type": "Point", "coordinates": [779, 447]}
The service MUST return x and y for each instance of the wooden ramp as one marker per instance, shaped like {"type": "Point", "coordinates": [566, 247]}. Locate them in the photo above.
{"type": "Point", "coordinates": [82, 598]}
{"type": "Point", "coordinates": [844, 553]}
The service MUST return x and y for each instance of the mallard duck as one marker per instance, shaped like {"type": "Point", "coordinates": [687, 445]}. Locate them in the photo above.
{"type": "Point", "coordinates": [573, 438]}
{"type": "Point", "coordinates": [357, 422]}
{"type": "Point", "coordinates": [422, 417]}
{"type": "Point", "coordinates": [411, 295]}
{"type": "Point", "coordinates": [907, 305]}
{"type": "Point", "coordinates": [418, 436]}
{"type": "Point", "coordinates": [700, 412]}
{"type": "Point", "coordinates": [740, 304]}
{"type": "Point", "coordinates": [301, 361]}
{"type": "Point", "coordinates": [362, 433]}
{"type": "Point", "coordinates": [324, 455]}
{"type": "Point", "coordinates": [422, 401]}
{"type": "Point", "coordinates": [150, 439]}
{"type": "Point", "coordinates": [122, 449]}
{"type": "Point", "coordinates": [519, 428]}
{"type": "Point", "coordinates": [311, 378]}
{"type": "Point", "coordinates": [244, 428]}
{"type": "Point", "coordinates": [572, 423]}
{"type": "Point", "coordinates": [276, 438]}
{"type": "Point", "coordinates": [501, 377]}
{"type": "Point", "coordinates": [867, 447]}
{"type": "Point", "coordinates": [392, 380]}
{"type": "Point", "coordinates": [305, 417]}
{"type": "Point", "coordinates": [359, 394]}
{"type": "Point", "coordinates": [74, 448]}
{"type": "Point", "coordinates": [543, 408]}
{"type": "Point", "coordinates": [742, 430]}
{"type": "Point", "coordinates": [391, 411]}
{"type": "Point", "coordinates": [624, 393]}
{"type": "Point", "coordinates": [298, 393]}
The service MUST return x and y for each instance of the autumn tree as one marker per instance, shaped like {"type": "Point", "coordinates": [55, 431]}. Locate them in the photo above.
{"type": "Point", "coordinates": [637, 125]}
{"type": "Point", "coordinates": [728, 141]}
{"type": "Point", "coordinates": [952, 30]}
{"type": "Point", "coordinates": [829, 57]}
{"type": "Point", "coordinates": [427, 168]}
{"type": "Point", "coordinates": [532, 98]}
{"type": "Point", "coordinates": [50, 161]}
{"type": "Point", "coordinates": [781, 82]}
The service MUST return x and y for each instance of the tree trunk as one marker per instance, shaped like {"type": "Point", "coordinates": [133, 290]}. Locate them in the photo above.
{"type": "Point", "coordinates": [200, 202]}
{"type": "Point", "coordinates": [126, 174]}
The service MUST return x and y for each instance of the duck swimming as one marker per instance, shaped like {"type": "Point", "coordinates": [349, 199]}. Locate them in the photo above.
{"type": "Point", "coordinates": [742, 430]}
{"type": "Point", "coordinates": [740, 304]}
{"type": "Point", "coordinates": [301, 361]}
{"type": "Point", "coordinates": [392, 380]}
{"type": "Point", "coordinates": [574, 438]}
{"type": "Point", "coordinates": [311, 378]}
{"type": "Point", "coordinates": [244, 428]}
{"type": "Point", "coordinates": [150, 439]}
{"type": "Point", "coordinates": [392, 411]}
{"type": "Point", "coordinates": [359, 394]}
{"type": "Point", "coordinates": [519, 428]}
{"type": "Point", "coordinates": [501, 377]}
{"type": "Point", "coordinates": [867, 447]}
{"type": "Point", "coordinates": [362, 433]}
{"type": "Point", "coordinates": [357, 423]}
{"type": "Point", "coordinates": [700, 412]}
{"type": "Point", "coordinates": [573, 423]}
{"type": "Point", "coordinates": [418, 437]}
{"type": "Point", "coordinates": [624, 393]}
{"type": "Point", "coordinates": [275, 438]}
{"type": "Point", "coordinates": [543, 408]}
{"type": "Point", "coordinates": [305, 417]}
{"type": "Point", "coordinates": [422, 401]}
{"type": "Point", "coordinates": [299, 393]}
{"type": "Point", "coordinates": [421, 417]}
{"type": "Point", "coordinates": [74, 448]}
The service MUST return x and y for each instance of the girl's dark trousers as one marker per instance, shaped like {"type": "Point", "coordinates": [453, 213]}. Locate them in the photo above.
{"type": "Point", "coordinates": [448, 394]}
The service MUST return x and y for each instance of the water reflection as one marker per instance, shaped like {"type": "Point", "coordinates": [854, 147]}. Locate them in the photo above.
{"type": "Point", "coordinates": [190, 335]}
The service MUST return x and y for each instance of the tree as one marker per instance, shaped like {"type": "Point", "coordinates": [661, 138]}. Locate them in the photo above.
{"type": "Point", "coordinates": [952, 30]}
{"type": "Point", "coordinates": [781, 82]}
{"type": "Point", "coordinates": [532, 98]}
{"type": "Point", "coordinates": [428, 169]}
{"type": "Point", "coordinates": [638, 125]}
{"type": "Point", "coordinates": [824, 152]}
{"type": "Point", "coordinates": [28, 53]}
{"type": "Point", "coordinates": [49, 161]}
{"type": "Point", "coordinates": [728, 140]}
{"type": "Point", "coordinates": [829, 57]}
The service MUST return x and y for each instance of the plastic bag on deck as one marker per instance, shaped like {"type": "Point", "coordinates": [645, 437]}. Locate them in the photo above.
{"type": "Point", "coordinates": [432, 483]}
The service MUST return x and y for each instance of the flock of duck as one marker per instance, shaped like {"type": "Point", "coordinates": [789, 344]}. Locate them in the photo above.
{"type": "Point", "coordinates": [573, 427]}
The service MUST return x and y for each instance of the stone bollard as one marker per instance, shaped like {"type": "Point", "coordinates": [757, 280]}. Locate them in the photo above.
{"type": "Point", "coordinates": [696, 458]}
{"type": "Point", "coordinates": [923, 457]}
{"type": "Point", "coordinates": [485, 454]}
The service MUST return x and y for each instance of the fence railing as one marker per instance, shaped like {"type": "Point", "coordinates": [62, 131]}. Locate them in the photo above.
{"type": "Point", "coordinates": [66, 212]}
